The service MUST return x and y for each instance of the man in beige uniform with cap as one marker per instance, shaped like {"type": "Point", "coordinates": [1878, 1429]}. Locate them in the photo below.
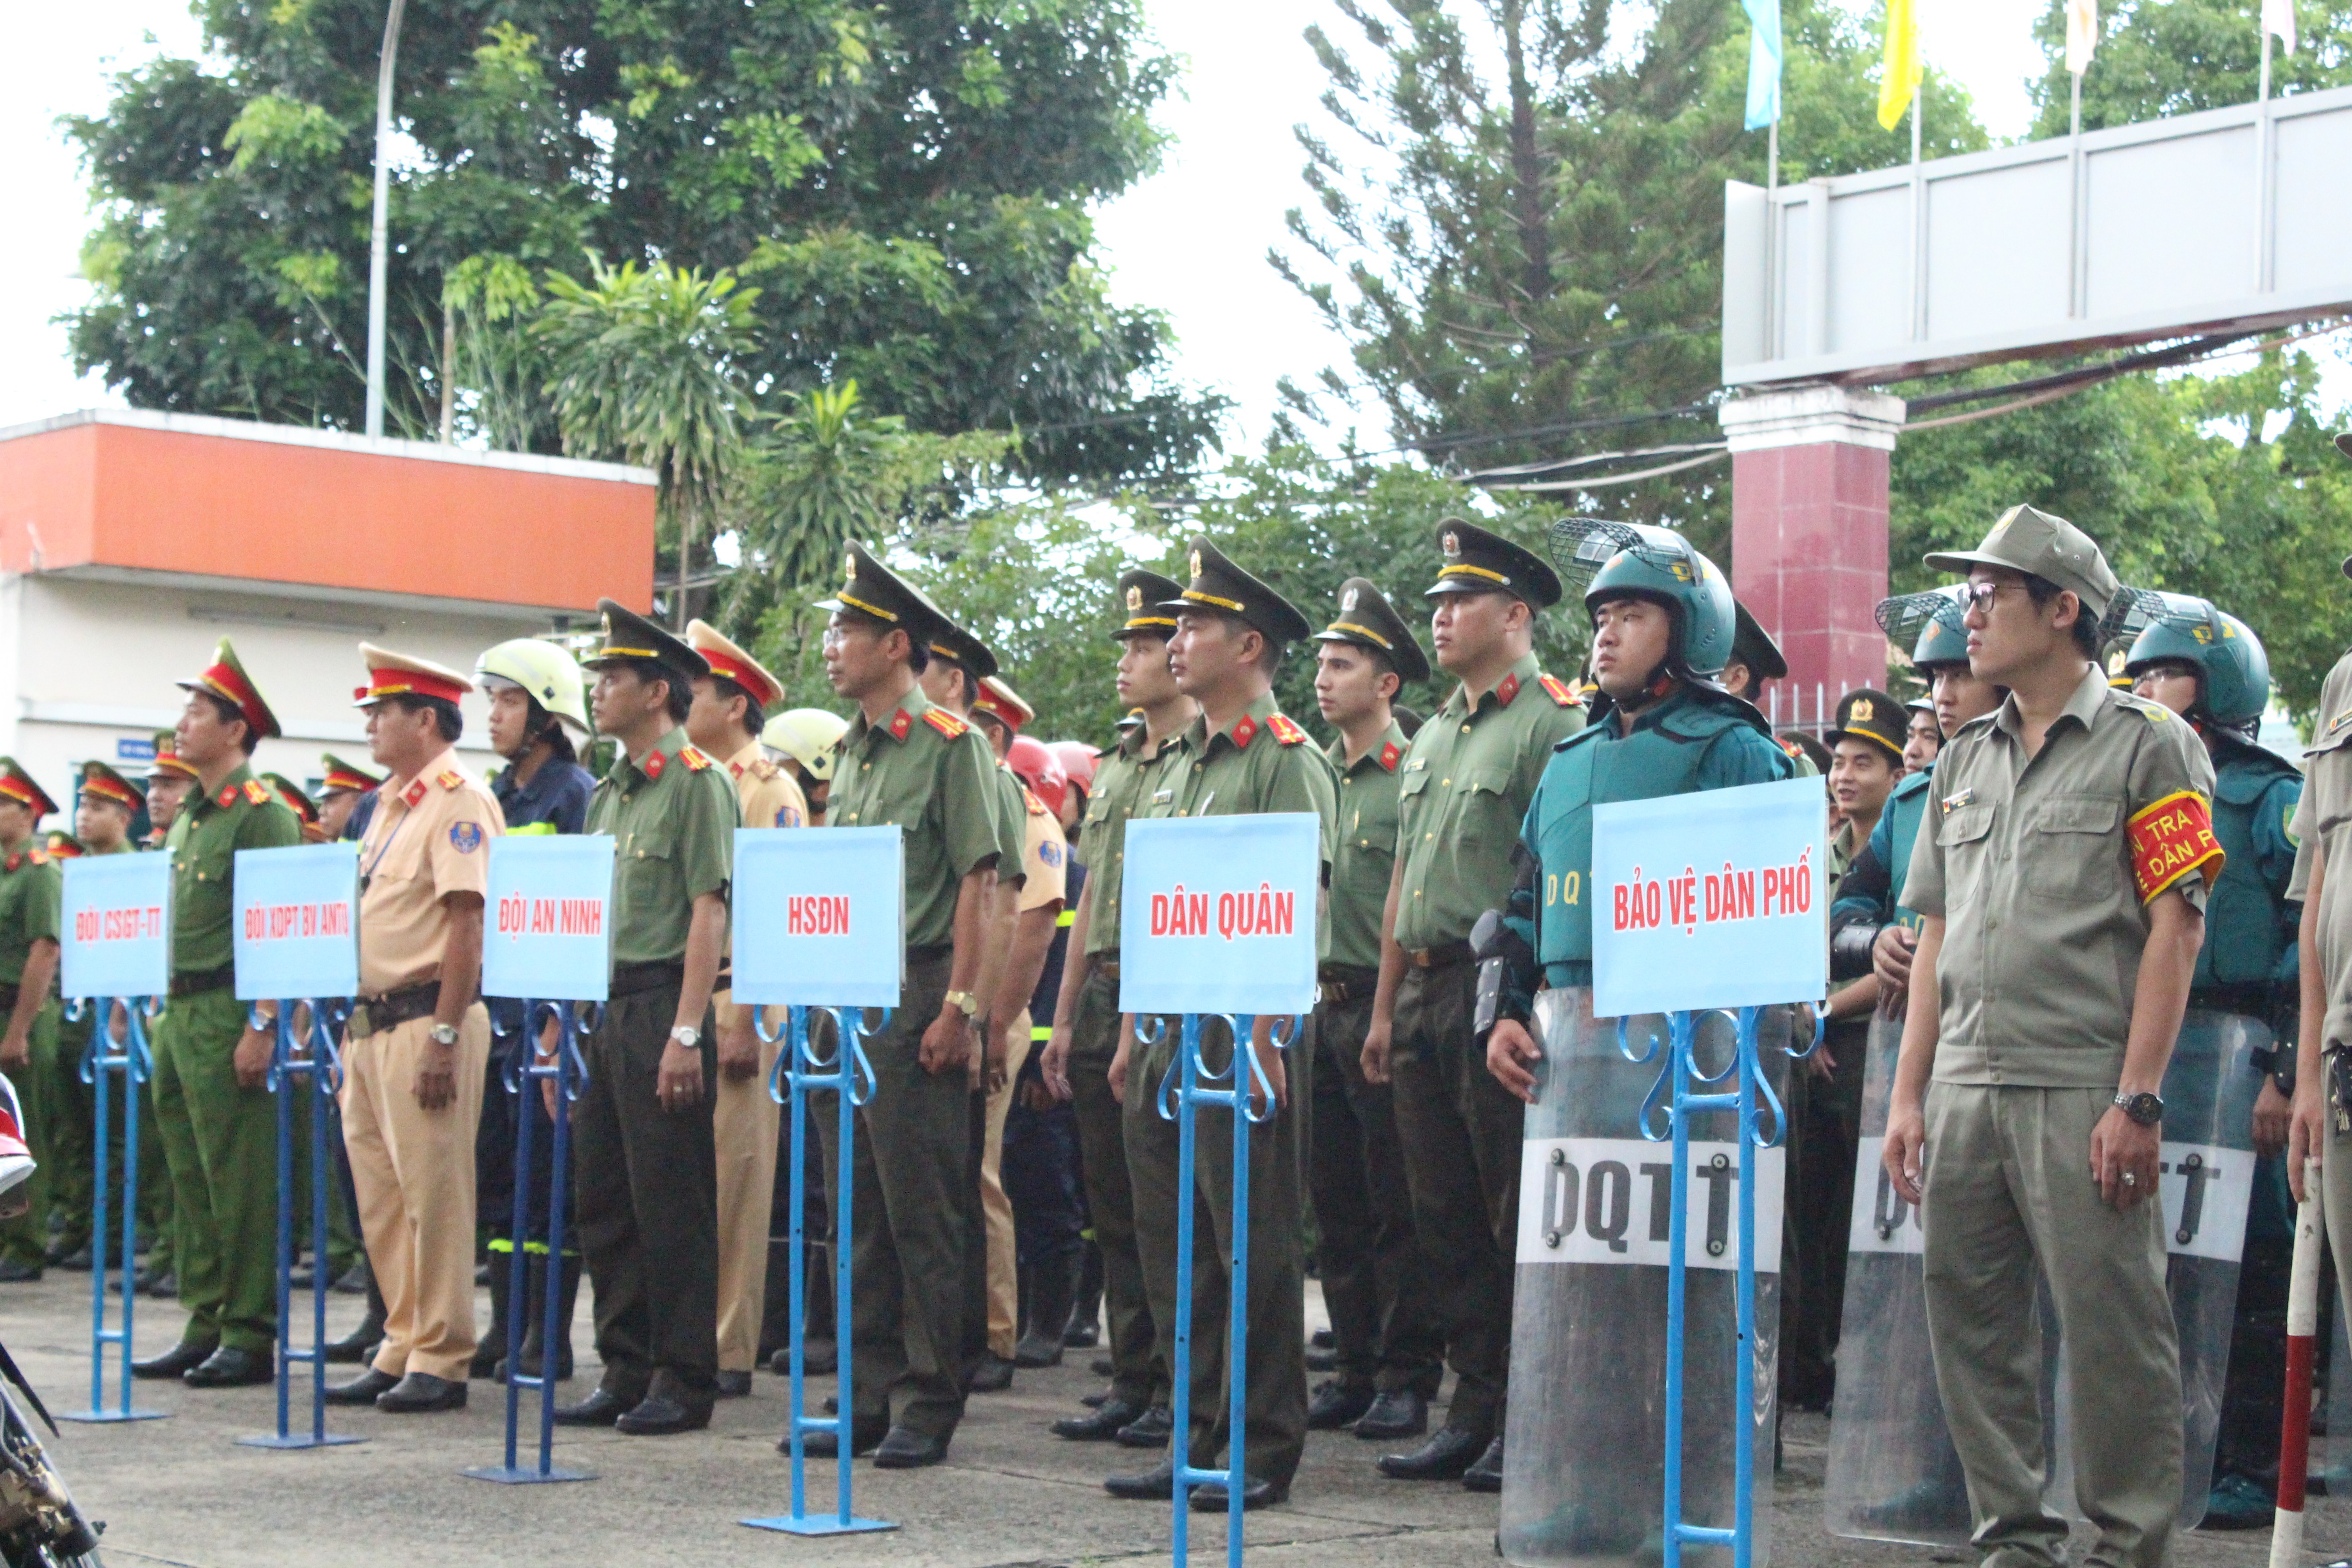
{"type": "Point", "coordinates": [731, 706]}
{"type": "Point", "coordinates": [420, 1038]}
{"type": "Point", "coordinates": [2062, 874]}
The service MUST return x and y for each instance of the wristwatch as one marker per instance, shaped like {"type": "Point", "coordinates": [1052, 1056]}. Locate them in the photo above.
{"type": "Point", "coordinates": [445, 1034]}
{"type": "Point", "coordinates": [2148, 1110]}
{"type": "Point", "coordinates": [686, 1036]}
{"type": "Point", "coordinates": [965, 1003]}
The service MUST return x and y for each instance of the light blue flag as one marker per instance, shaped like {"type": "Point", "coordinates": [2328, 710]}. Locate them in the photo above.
{"type": "Point", "coordinates": [1763, 62]}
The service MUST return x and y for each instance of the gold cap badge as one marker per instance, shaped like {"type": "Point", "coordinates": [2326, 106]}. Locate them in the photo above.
{"type": "Point", "coordinates": [1134, 599]}
{"type": "Point", "coordinates": [849, 566]}
{"type": "Point", "coordinates": [1347, 600]}
{"type": "Point", "coordinates": [1453, 543]}
{"type": "Point", "coordinates": [1196, 563]}
{"type": "Point", "coordinates": [1861, 712]}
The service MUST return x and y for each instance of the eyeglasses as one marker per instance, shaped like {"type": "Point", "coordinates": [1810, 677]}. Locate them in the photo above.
{"type": "Point", "coordinates": [1980, 596]}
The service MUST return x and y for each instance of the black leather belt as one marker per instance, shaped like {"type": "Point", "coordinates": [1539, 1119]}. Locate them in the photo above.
{"type": "Point", "coordinates": [376, 1014]}
{"type": "Point", "coordinates": [1441, 957]}
{"type": "Point", "coordinates": [1106, 965]}
{"type": "Point", "coordinates": [193, 982]}
{"type": "Point", "coordinates": [1345, 982]}
{"type": "Point", "coordinates": [931, 954]}
{"type": "Point", "coordinates": [630, 979]}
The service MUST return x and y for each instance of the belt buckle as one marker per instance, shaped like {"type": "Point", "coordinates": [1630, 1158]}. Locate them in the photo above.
{"type": "Point", "coordinates": [359, 1027]}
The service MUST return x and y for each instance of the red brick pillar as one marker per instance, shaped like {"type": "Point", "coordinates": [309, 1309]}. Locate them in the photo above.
{"type": "Point", "coordinates": [1809, 510]}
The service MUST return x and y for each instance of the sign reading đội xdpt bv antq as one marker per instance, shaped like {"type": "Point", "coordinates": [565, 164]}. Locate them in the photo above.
{"type": "Point", "coordinates": [1715, 899]}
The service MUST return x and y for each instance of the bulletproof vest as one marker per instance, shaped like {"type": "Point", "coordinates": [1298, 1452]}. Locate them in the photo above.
{"type": "Point", "coordinates": [1905, 809]}
{"type": "Point", "coordinates": [2245, 934]}
{"type": "Point", "coordinates": [1596, 766]}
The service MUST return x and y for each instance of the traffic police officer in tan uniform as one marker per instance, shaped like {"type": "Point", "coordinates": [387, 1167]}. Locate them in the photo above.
{"type": "Point", "coordinates": [1085, 1033]}
{"type": "Point", "coordinates": [1465, 788]}
{"type": "Point", "coordinates": [731, 706]}
{"type": "Point", "coordinates": [2062, 874]}
{"type": "Point", "coordinates": [414, 1055]}
{"type": "Point", "coordinates": [642, 1150]}
{"type": "Point", "coordinates": [1389, 1347]}
{"type": "Point", "coordinates": [1241, 756]}
{"type": "Point", "coordinates": [905, 763]}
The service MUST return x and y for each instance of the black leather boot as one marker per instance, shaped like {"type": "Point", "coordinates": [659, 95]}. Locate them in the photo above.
{"type": "Point", "coordinates": [1054, 1288]}
{"type": "Point", "coordinates": [491, 1348]}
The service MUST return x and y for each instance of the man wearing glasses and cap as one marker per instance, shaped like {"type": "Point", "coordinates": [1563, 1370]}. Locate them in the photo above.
{"type": "Point", "coordinates": [2062, 874]}
{"type": "Point", "coordinates": [213, 1106]}
{"type": "Point", "coordinates": [642, 1150]}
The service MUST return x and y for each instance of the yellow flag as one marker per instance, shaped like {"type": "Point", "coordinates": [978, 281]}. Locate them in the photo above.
{"type": "Point", "coordinates": [1899, 83]}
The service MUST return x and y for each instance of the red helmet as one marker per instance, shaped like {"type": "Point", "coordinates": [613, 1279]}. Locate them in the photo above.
{"type": "Point", "coordinates": [1077, 761]}
{"type": "Point", "coordinates": [1036, 766]}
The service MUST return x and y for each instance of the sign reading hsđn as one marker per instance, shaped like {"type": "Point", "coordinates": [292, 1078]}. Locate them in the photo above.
{"type": "Point", "coordinates": [820, 916]}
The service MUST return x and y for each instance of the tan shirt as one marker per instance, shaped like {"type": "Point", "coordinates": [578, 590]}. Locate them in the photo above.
{"type": "Point", "coordinates": [1046, 855]}
{"type": "Point", "coordinates": [2325, 818]}
{"type": "Point", "coordinates": [769, 796]}
{"type": "Point", "coordinates": [2044, 869]}
{"type": "Point", "coordinates": [430, 837]}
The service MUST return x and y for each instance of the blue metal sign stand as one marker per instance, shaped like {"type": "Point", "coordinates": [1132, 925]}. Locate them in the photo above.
{"type": "Point", "coordinates": [1680, 1094]}
{"type": "Point", "coordinates": [315, 1060]}
{"type": "Point", "coordinates": [100, 1062]}
{"type": "Point", "coordinates": [842, 1073]}
{"type": "Point", "coordinates": [524, 1073]}
{"type": "Point", "coordinates": [1188, 1086]}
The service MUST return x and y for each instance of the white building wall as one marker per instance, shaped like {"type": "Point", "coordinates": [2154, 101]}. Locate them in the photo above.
{"type": "Point", "coordinates": [86, 664]}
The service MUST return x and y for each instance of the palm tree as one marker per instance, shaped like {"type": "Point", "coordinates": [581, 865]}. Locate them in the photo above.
{"type": "Point", "coordinates": [644, 371]}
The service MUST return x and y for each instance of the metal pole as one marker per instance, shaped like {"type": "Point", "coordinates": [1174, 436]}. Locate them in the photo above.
{"type": "Point", "coordinates": [1743, 1450]}
{"type": "Point", "coordinates": [99, 1064]}
{"type": "Point", "coordinates": [1181, 1439]}
{"type": "Point", "coordinates": [377, 222]}
{"type": "Point", "coordinates": [1918, 219]}
{"type": "Point", "coordinates": [1772, 238]}
{"type": "Point", "coordinates": [1237, 1307]}
{"type": "Point", "coordinates": [2074, 202]}
{"type": "Point", "coordinates": [1679, 1032]}
{"type": "Point", "coordinates": [2263, 172]}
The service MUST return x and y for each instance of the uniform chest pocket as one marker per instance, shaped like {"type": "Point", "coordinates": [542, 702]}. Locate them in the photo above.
{"type": "Point", "coordinates": [403, 857]}
{"type": "Point", "coordinates": [1412, 791]}
{"type": "Point", "coordinates": [1965, 836]}
{"type": "Point", "coordinates": [648, 859]}
{"type": "Point", "coordinates": [2070, 846]}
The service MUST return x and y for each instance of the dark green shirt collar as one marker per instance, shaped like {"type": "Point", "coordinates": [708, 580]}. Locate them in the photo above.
{"type": "Point", "coordinates": [1387, 752]}
{"type": "Point", "coordinates": [1506, 691]}
{"type": "Point", "coordinates": [1247, 727]}
{"type": "Point", "coordinates": [668, 748]}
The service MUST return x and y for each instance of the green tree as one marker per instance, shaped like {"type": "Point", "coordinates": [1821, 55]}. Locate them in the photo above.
{"type": "Point", "coordinates": [907, 182]}
{"type": "Point", "coordinates": [2159, 58]}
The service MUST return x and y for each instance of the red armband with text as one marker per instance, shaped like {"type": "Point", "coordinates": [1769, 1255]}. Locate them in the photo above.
{"type": "Point", "coordinates": [2171, 838]}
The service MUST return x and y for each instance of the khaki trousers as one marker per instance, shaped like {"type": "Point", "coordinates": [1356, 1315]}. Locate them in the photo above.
{"type": "Point", "coordinates": [413, 1171]}
{"type": "Point", "coordinates": [2009, 1200]}
{"type": "Point", "coordinates": [996, 1209]}
{"type": "Point", "coordinates": [744, 1123]}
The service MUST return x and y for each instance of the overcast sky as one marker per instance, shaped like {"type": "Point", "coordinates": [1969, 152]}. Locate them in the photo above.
{"type": "Point", "coordinates": [1192, 241]}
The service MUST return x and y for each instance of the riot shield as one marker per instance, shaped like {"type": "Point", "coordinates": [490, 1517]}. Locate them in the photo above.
{"type": "Point", "coordinates": [1892, 1475]}
{"type": "Point", "coordinates": [1584, 1450]}
{"type": "Point", "coordinates": [2206, 1173]}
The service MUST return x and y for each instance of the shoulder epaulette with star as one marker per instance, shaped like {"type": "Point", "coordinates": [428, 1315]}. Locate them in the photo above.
{"type": "Point", "coordinates": [256, 792]}
{"type": "Point", "coordinates": [1037, 806]}
{"type": "Point", "coordinates": [1285, 730]}
{"type": "Point", "coordinates": [1558, 690]}
{"type": "Point", "coordinates": [945, 722]}
{"type": "Point", "coordinates": [693, 758]}
{"type": "Point", "coordinates": [449, 778]}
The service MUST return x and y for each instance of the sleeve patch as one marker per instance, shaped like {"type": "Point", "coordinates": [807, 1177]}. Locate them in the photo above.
{"type": "Point", "coordinates": [466, 836]}
{"type": "Point", "coordinates": [1285, 729]}
{"type": "Point", "coordinates": [945, 722]}
{"type": "Point", "coordinates": [1558, 690]}
{"type": "Point", "coordinates": [2171, 838]}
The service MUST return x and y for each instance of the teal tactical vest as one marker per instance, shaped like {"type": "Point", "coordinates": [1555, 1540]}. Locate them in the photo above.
{"type": "Point", "coordinates": [1906, 808]}
{"type": "Point", "coordinates": [2246, 931]}
{"type": "Point", "coordinates": [1596, 766]}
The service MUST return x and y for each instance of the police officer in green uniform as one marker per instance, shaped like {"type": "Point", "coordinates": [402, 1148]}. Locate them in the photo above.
{"type": "Point", "coordinates": [30, 892]}
{"type": "Point", "coordinates": [217, 1119]}
{"type": "Point", "coordinates": [104, 810]}
{"type": "Point", "coordinates": [1241, 757]}
{"type": "Point", "coordinates": [1076, 1065]}
{"type": "Point", "coordinates": [641, 1149]}
{"type": "Point", "coordinates": [2064, 880]}
{"type": "Point", "coordinates": [1463, 791]}
{"type": "Point", "coordinates": [1389, 1347]}
{"type": "Point", "coordinates": [908, 763]}
{"type": "Point", "coordinates": [2209, 666]}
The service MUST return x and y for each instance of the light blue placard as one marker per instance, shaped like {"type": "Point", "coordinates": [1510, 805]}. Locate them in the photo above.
{"type": "Point", "coordinates": [1217, 914]}
{"type": "Point", "coordinates": [820, 916]}
{"type": "Point", "coordinates": [548, 932]}
{"type": "Point", "coordinates": [1715, 899]}
{"type": "Point", "coordinates": [297, 929]}
{"type": "Point", "coordinates": [117, 923]}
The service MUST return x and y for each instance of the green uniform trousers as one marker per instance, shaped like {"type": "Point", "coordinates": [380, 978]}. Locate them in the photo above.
{"type": "Point", "coordinates": [907, 1219]}
{"type": "Point", "coordinates": [1274, 1411]}
{"type": "Point", "coordinates": [26, 1238]}
{"type": "Point", "coordinates": [1381, 1297]}
{"type": "Point", "coordinates": [647, 1181]}
{"type": "Point", "coordinates": [1817, 1210]}
{"type": "Point", "coordinates": [73, 1137]}
{"type": "Point", "coordinates": [2008, 1201]}
{"type": "Point", "coordinates": [1461, 1133]}
{"type": "Point", "coordinates": [220, 1141]}
{"type": "Point", "coordinates": [1139, 1361]}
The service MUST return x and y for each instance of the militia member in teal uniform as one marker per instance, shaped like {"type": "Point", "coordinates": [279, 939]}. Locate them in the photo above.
{"type": "Point", "coordinates": [1085, 1034]}
{"type": "Point", "coordinates": [1755, 659]}
{"type": "Point", "coordinates": [2210, 668]}
{"type": "Point", "coordinates": [30, 891]}
{"type": "Point", "coordinates": [907, 763]}
{"type": "Point", "coordinates": [1463, 792]}
{"type": "Point", "coordinates": [1242, 757]}
{"type": "Point", "coordinates": [1389, 1344]}
{"type": "Point", "coordinates": [213, 1106]}
{"type": "Point", "coordinates": [643, 1154]}
{"type": "Point", "coordinates": [103, 814]}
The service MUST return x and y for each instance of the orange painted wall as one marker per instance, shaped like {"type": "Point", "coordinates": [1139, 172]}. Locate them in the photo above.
{"type": "Point", "coordinates": [168, 500]}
